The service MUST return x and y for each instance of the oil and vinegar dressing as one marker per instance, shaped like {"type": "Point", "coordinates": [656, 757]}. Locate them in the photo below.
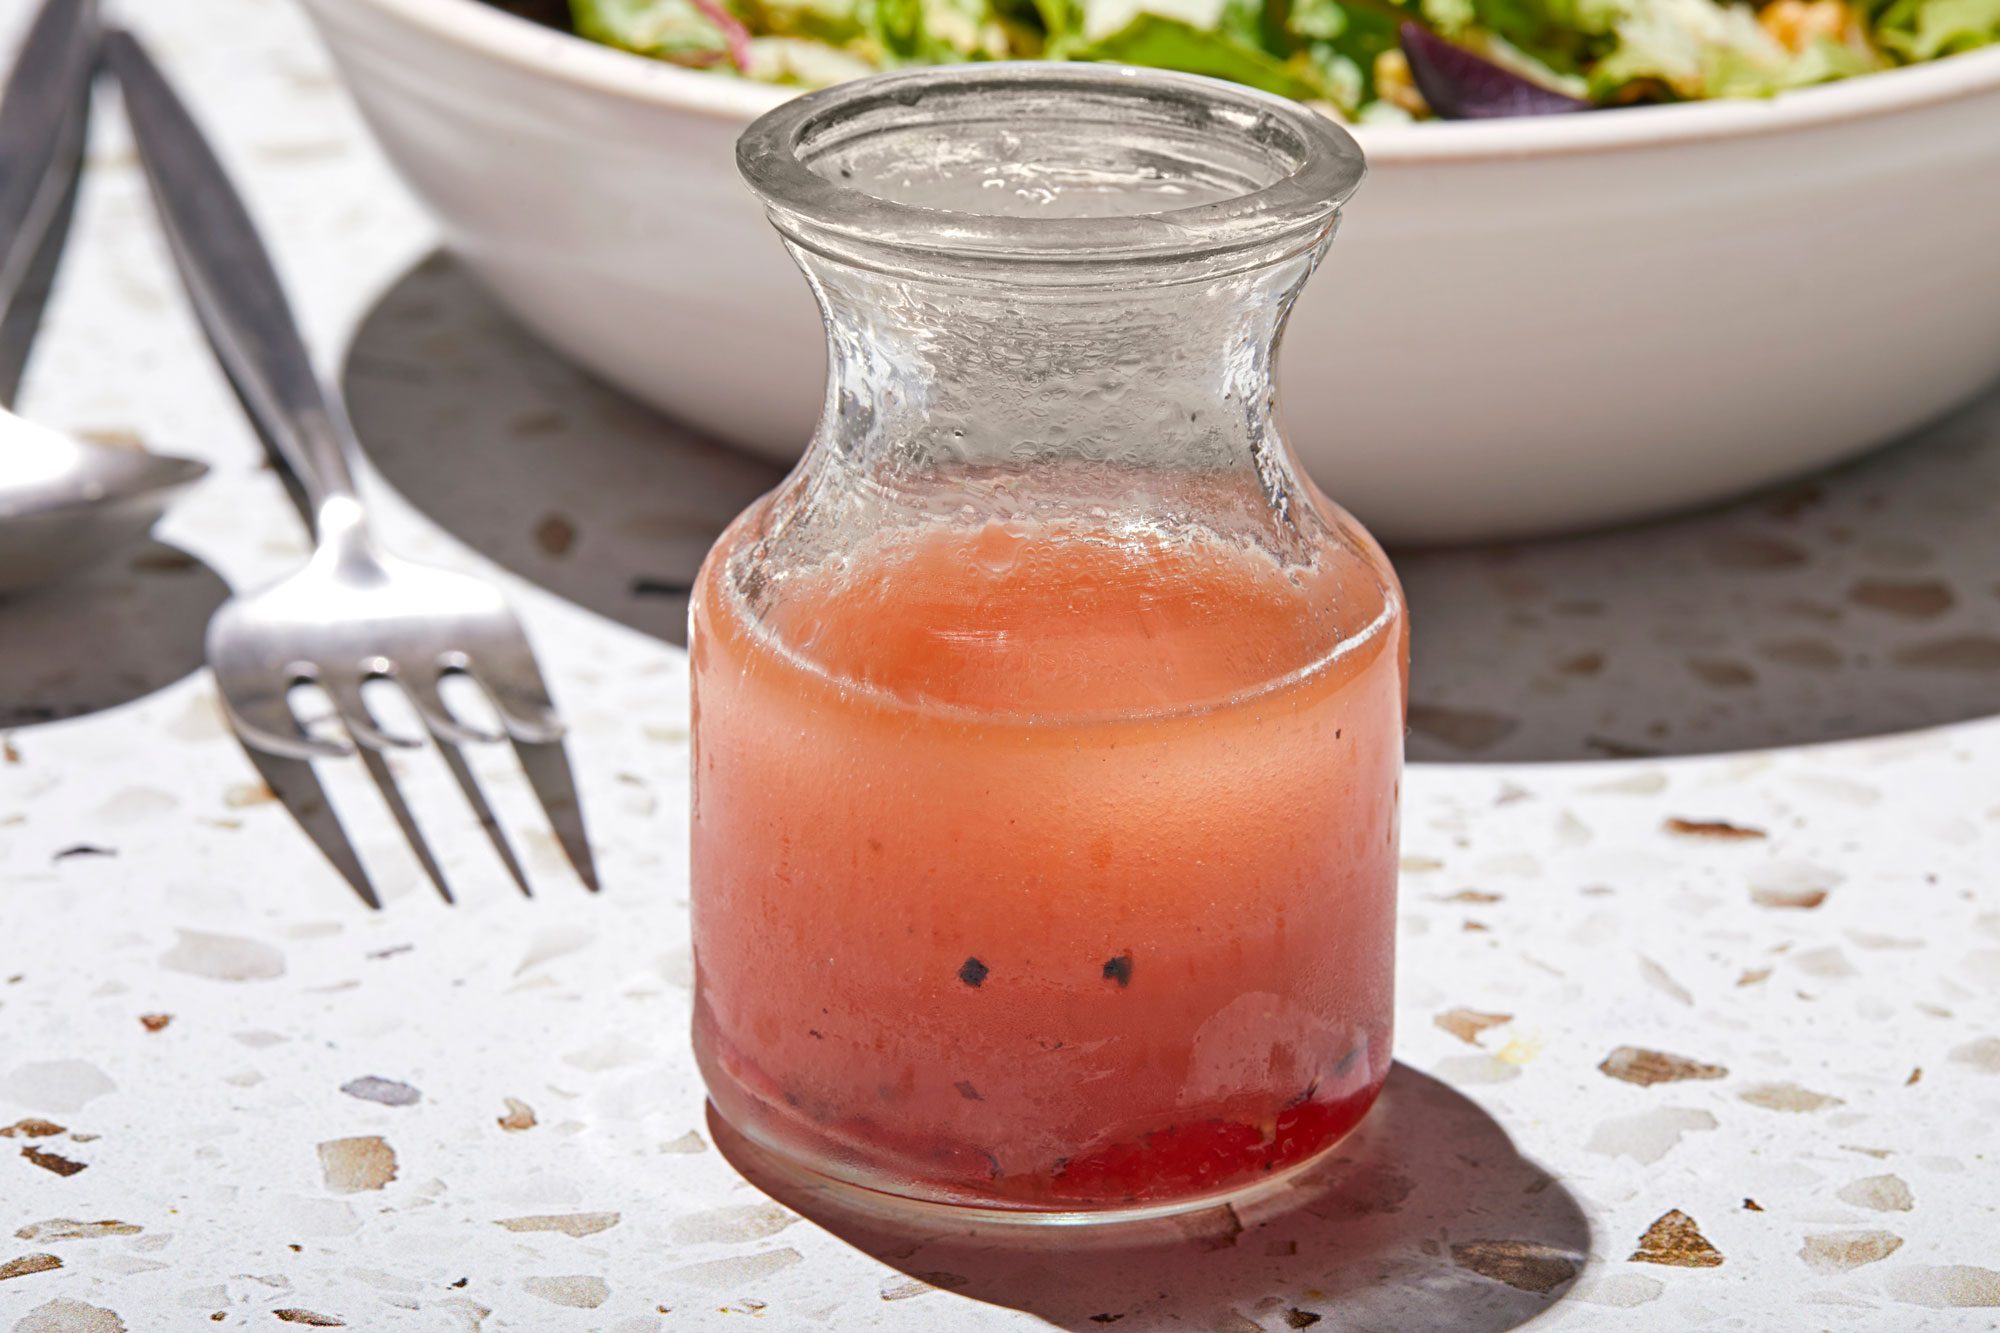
{"type": "Point", "coordinates": [1047, 866]}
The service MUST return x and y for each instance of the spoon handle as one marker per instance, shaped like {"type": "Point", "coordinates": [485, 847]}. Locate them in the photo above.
{"type": "Point", "coordinates": [43, 116]}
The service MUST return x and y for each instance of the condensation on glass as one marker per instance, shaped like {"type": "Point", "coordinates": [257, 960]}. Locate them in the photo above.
{"type": "Point", "coordinates": [1048, 720]}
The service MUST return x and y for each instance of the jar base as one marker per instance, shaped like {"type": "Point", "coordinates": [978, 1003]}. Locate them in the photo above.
{"type": "Point", "coordinates": [780, 1173]}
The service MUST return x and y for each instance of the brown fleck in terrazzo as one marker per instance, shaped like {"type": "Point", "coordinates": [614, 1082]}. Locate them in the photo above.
{"type": "Point", "coordinates": [310, 1318]}
{"type": "Point", "coordinates": [1676, 1241]}
{"type": "Point", "coordinates": [1756, 551]}
{"type": "Point", "coordinates": [243, 795]}
{"type": "Point", "coordinates": [155, 1022]}
{"type": "Point", "coordinates": [1660, 980]}
{"type": "Point", "coordinates": [1722, 673]}
{"type": "Point", "coordinates": [1827, 963]}
{"type": "Point", "coordinates": [31, 1128]}
{"type": "Point", "coordinates": [66, 1316]}
{"type": "Point", "coordinates": [68, 1228]}
{"type": "Point", "coordinates": [1879, 1194]}
{"type": "Point", "coordinates": [55, 1162]}
{"type": "Point", "coordinates": [1839, 1251]}
{"type": "Point", "coordinates": [1466, 729]}
{"type": "Point", "coordinates": [28, 1265]}
{"type": "Point", "coordinates": [1975, 653]}
{"type": "Point", "coordinates": [921, 1284]}
{"type": "Point", "coordinates": [1369, 1189]}
{"type": "Point", "coordinates": [1809, 654]}
{"type": "Point", "coordinates": [1787, 1097]}
{"type": "Point", "coordinates": [569, 1224]}
{"type": "Point", "coordinates": [519, 1116]}
{"type": "Point", "coordinates": [1793, 888]}
{"type": "Point", "coordinates": [1468, 896]}
{"type": "Point", "coordinates": [350, 1166]}
{"type": "Point", "coordinates": [1620, 749]}
{"type": "Point", "coordinates": [542, 421]}
{"type": "Point", "coordinates": [732, 1224]}
{"type": "Point", "coordinates": [721, 1274]}
{"type": "Point", "coordinates": [1211, 1229]}
{"type": "Point", "coordinates": [1297, 1318]}
{"type": "Point", "coordinates": [1636, 1064]}
{"type": "Point", "coordinates": [1917, 599]}
{"type": "Point", "coordinates": [1753, 975]}
{"type": "Point", "coordinates": [1981, 1053]}
{"type": "Point", "coordinates": [578, 1292]}
{"type": "Point", "coordinates": [1719, 829]}
{"type": "Point", "coordinates": [1582, 664]}
{"type": "Point", "coordinates": [1467, 1024]}
{"type": "Point", "coordinates": [1752, 1206]}
{"type": "Point", "coordinates": [1946, 1287]}
{"type": "Point", "coordinates": [1526, 1265]}
{"type": "Point", "coordinates": [555, 535]}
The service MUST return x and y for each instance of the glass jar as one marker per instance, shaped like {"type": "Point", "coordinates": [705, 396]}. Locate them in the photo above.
{"type": "Point", "coordinates": [1048, 722]}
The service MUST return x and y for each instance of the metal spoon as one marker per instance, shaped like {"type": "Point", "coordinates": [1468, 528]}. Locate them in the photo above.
{"type": "Point", "coordinates": [64, 503]}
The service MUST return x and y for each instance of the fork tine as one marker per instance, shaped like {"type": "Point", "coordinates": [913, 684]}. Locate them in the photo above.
{"type": "Point", "coordinates": [357, 717]}
{"type": "Point", "coordinates": [461, 772]}
{"type": "Point", "coordinates": [517, 693]}
{"type": "Point", "coordinates": [399, 810]}
{"type": "Point", "coordinates": [265, 722]}
{"type": "Point", "coordinates": [430, 705]}
{"type": "Point", "coordinates": [297, 789]}
{"type": "Point", "coordinates": [547, 766]}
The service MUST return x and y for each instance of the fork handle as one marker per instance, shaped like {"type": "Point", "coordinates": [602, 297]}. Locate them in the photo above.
{"type": "Point", "coordinates": [235, 290]}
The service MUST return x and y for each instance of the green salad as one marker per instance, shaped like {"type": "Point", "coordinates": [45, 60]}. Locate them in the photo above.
{"type": "Point", "coordinates": [1362, 60]}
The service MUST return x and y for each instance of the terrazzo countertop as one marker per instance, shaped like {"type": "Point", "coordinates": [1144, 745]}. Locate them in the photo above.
{"type": "Point", "coordinates": [1700, 960]}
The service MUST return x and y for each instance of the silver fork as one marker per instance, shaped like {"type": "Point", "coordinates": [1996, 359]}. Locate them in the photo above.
{"type": "Point", "coordinates": [355, 613]}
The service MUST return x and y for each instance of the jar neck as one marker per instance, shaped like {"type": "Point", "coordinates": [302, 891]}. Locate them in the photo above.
{"type": "Point", "coordinates": [934, 376]}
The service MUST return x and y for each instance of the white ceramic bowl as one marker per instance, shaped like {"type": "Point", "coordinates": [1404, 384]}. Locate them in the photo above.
{"type": "Point", "coordinates": [1525, 326]}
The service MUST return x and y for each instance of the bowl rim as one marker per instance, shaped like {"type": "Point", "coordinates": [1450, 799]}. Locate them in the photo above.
{"type": "Point", "coordinates": [512, 39]}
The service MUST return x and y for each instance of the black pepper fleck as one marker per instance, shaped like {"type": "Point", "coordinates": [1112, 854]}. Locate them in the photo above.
{"type": "Point", "coordinates": [1119, 969]}
{"type": "Point", "coordinates": [1298, 1318]}
{"type": "Point", "coordinates": [973, 972]}
{"type": "Point", "coordinates": [816, 1034]}
{"type": "Point", "coordinates": [967, 1091]}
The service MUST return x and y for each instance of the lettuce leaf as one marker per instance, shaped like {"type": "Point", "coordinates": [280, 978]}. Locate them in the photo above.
{"type": "Point", "coordinates": [1168, 43]}
{"type": "Point", "coordinates": [1926, 29]}
{"type": "Point", "coordinates": [668, 29]}
{"type": "Point", "coordinates": [1701, 48]}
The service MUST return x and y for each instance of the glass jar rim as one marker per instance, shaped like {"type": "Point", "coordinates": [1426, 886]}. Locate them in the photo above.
{"type": "Point", "coordinates": [824, 214]}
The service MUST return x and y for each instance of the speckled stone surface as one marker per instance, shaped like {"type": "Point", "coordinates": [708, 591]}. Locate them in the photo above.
{"type": "Point", "coordinates": [1700, 994]}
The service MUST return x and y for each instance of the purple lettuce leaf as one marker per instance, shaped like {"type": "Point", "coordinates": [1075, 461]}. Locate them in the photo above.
{"type": "Point", "coordinates": [1459, 85]}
